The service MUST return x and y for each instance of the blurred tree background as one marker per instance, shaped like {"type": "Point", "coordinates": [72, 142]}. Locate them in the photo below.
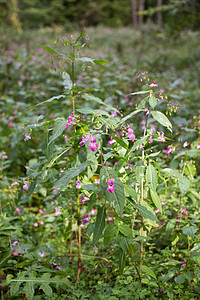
{"type": "Point", "coordinates": [32, 14]}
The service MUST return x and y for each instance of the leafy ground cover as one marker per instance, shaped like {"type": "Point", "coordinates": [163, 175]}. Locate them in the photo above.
{"type": "Point", "coordinates": [100, 168]}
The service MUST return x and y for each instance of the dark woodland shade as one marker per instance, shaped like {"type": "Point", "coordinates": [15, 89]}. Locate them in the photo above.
{"type": "Point", "coordinates": [36, 13]}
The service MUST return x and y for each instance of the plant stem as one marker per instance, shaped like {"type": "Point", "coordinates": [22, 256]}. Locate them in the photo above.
{"type": "Point", "coordinates": [79, 239]}
{"type": "Point", "coordinates": [73, 79]}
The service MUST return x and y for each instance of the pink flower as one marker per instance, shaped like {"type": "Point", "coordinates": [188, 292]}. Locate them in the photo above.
{"type": "Point", "coordinates": [185, 144]}
{"type": "Point", "coordinates": [84, 199]}
{"type": "Point", "coordinates": [14, 112]}
{"type": "Point", "coordinates": [153, 128]}
{"type": "Point", "coordinates": [198, 146]}
{"type": "Point", "coordinates": [66, 139]}
{"type": "Point", "coordinates": [136, 201]}
{"type": "Point", "coordinates": [78, 184]}
{"type": "Point", "coordinates": [57, 213]}
{"type": "Point", "coordinates": [169, 150]}
{"type": "Point", "coordinates": [93, 146]}
{"type": "Point", "coordinates": [97, 181]}
{"type": "Point", "coordinates": [85, 219]}
{"type": "Point", "coordinates": [41, 211]}
{"type": "Point", "coordinates": [153, 84]}
{"type": "Point", "coordinates": [27, 137]}
{"type": "Point", "coordinates": [130, 134]}
{"type": "Point", "coordinates": [41, 222]}
{"type": "Point", "coordinates": [156, 211]}
{"type": "Point", "coordinates": [25, 186]}
{"type": "Point", "coordinates": [70, 122]}
{"type": "Point", "coordinates": [113, 113]}
{"type": "Point", "coordinates": [111, 141]}
{"type": "Point", "coordinates": [84, 140]}
{"type": "Point", "coordinates": [18, 211]}
{"type": "Point", "coordinates": [35, 224]}
{"type": "Point", "coordinates": [162, 138]}
{"type": "Point", "coordinates": [43, 254]}
{"type": "Point", "coordinates": [110, 218]}
{"type": "Point", "coordinates": [10, 124]}
{"type": "Point", "coordinates": [53, 192]}
{"type": "Point", "coordinates": [162, 203]}
{"type": "Point", "coordinates": [183, 264]}
{"type": "Point", "coordinates": [110, 184]}
{"type": "Point", "coordinates": [14, 243]}
{"type": "Point", "coordinates": [4, 156]}
{"type": "Point", "coordinates": [150, 139]}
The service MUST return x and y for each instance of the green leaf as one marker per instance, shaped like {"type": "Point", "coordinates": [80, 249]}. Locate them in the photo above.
{"type": "Point", "coordinates": [49, 100]}
{"type": "Point", "coordinates": [48, 49]}
{"type": "Point", "coordinates": [129, 116]}
{"type": "Point", "coordinates": [71, 173]}
{"type": "Point", "coordinates": [179, 279]}
{"type": "Point", "coordinates": [100, 62]}
{"type": "Point", "coordinates": [138, 143]}
{"type": "Point", "coordinates": [148, 271]}
{"type": "Point", "coordinates": [153, 101]}
{"type": "Point", "coordinates": [111, 230]}
{"type": "Point", "coordinates": [85, 59]}
{"type": "Point", "coordinates": [191, 230]}
{"type": "Point", "coordinates": [58, 130]}
{"type": "Point", "coordinates": [90, 111]}
{"type": "Point", "coordinates": [98, 100]}
{"type": "Point", "coordinates": [162, 119]}
{"type": "Point", "coordinates": [140, 92]}
{"type": "Point", "coordinates": [80, 37]}
{"type": "Point", "coordinates": [183, 182]}
{"type": "Point", "coordinates": [122, 261]}
{"type": "Point", "coordinates": [119, 141]}
{"type": "Point", "coordinates": [156, 200]}
{"type": "Point", "coordinates": [151, 176]}
{"type": "Point", "coordinates": [144, 212]}
{"type": "Point", "coordinates": [67, 82]}
{"type": "Point", "coordinates": [99, 224]}
{"type": "Point", "coordinates": [125, 230]}
{"type": "Point", "coordinates": [117, 198]}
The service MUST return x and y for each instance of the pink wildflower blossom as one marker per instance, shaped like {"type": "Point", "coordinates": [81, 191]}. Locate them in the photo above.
{"type": "Point", "coordinates": [57, 213]}
{"type": "Point", "coordinates": [111, 141]}
{"type": "Point", "coordinates": [97, 181]}
{"type": "Point", "coordinates": [93, 145]}
{"type": "Point", "coordinates": [156, 211]}
{"type": "Point", "coordinates": [70, 122]}
{"type": "Point", "coordinates": [169, 150]}
{"type": "Point", "coordinates": [25, 186]}
{"type": "Point", "coordinates": [18, 211]}
{"type": "Point", "coordinates": [78, 184]}
{"type": "Point", "coordinates": [110, 184]}
{"type": "Point", "coordinates": [27, 137]}
{"type": "Point", "coordinates": [150, 139]}
{"type": "Point", "coordinates": [113, 113]}
{"type": "Point", "coordinates": [130, 134]}
{"type": "Point", "coordinates": [35, 224]}
{"type": "Point", "coordinates": [185, 144]}
{"type": "Point", "coordinates": [161, 137]}
{"type": "Point", "coordinates": [14, 243]}
{"type": "Point", "coordinates": [153, 84]}
{"type": "Point", "coordinates": [84, 199]}
{"type": "Point", "coordinates": [84, 140]}
{"type": "Point", "coordinates": [198, 146]}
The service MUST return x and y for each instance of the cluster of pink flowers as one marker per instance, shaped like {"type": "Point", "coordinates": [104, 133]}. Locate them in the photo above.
{"type": "Point", "coordinates": [111, 186]}
{"type": "Point", "coordinates": [113, 113]}
{"type": "Point", "coordinates": [150, 139]}
{"type": "Point", "coordinates": [70, 122]}
{"type": "Point", "coordinates": [130, 134]}
{"type": "Point", "coordinates": [93, 144]}
{"type": "Point", "coordinates": [25, 186]}
{"type": "Point", "coordinates": [55, 265]}
{"type": "Point", "coordinates": [85, 219]}
{"type": "Point", "coordinates": [27, 137]}
{"type": "Point", "coordinates": [183, 264]}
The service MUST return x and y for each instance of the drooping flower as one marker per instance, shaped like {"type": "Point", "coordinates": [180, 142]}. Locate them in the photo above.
{"type": "Point", "coordinates": [78, 184]}
{"type": "Point", "coordinates": [93, 144]}
{"type": "Point", "coordinates": [113, 113]}
{"type": "Point", "coordinates": [198, 146]}
{"type": "Point", "coordinates": [53, 192]}
{"type": "Point", "coordinates": [57, 213]}
{"type": "Point", "coordinates": [169, 150]}
{"type": "Point", "coordinates": [185, 144]}
{"type": "Point", "coordinates": [18, 211]}
{"type": "Point", "coordinates": [161, 137]}
{"type": "Point", "coordinates": [153, 84]}
{"type": "Point", "coordinates": [130, 134]}
{"type": "Point", "coordinates": [111, 141]}
{"type": "Point", "coordinates": [150, 139]}
{"type": "Point", "coordinates": [27, 137]}
{"type": "Point", "coordinates": [111, 186]}
{"type": "Point", "coordinates": [156, 211]}
{"type": "Point", "coordinates": [70, 122]}
{"type": "Point", "coordinates": [35, 224]}
{"type": "Point", "coordinates": [85, 219]}
{"type": "Point", "coordinates": [183, 264]}
{"type": "Point", "coordinates": [14, 243]}
{"type": "Point", "coordinates": [84, 140]}
{"type": "Point", "coordinates": [25, 186]}
{"type": "Point", "coordinates": [84, 199]}
{"type": "Point", "coordinates": [97, 181]}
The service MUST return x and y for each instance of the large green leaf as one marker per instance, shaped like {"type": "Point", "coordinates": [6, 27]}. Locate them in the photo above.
{"type": "Point", "coordinates": [98, 100]}
{"type": "Point", "coordinates": [100, 224]}
{"type": "Point", "coordinates": [151, 176]}
{"type": "Point", "coordinates": [148, 271]}
{"type": "Point", "coordinates": [110, 230]}
{"type": "Point", "coordinates": [156, 200]}
{"type": "Point", "coordinates": [183, 182]}
{"type": "Point", "coordinates": [58, 130]}
{"type": "Point", "coordinates": [153, 101]}
{"type": "Point", "coordinates": [90, 111]}
{"type": "Point", "coordinates": [162, 119]}
{"type": "Point", "coordinates": [125, 230]}
{"type": "Point", "coordinates": [144, 212]}
{"type": "Point", "coordinates": [117, 198]}
{"type": "Point", "coordinates": [190, 230]}
{"type": "Point", "coordinates": [122, 261]}
{"type": "Point", "coordinates": [123, 120]}
{"type": "Point", "coordinates": [71, 173]}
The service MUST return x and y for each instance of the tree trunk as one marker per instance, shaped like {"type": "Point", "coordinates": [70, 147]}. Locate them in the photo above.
{"type": "Point", "coordinates": [133, 10]}
{"type": "Point", "coordinates": [141, 8]}
{"type": "Point", "coordinates": [159, 14]}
